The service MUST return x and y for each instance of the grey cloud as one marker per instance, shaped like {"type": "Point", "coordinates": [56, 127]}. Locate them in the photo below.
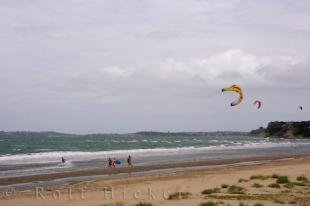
{"type": "Point", "coordinates": [95, 66]}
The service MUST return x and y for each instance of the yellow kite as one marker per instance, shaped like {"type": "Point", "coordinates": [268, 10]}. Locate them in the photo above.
{"type": "Point", "coordinates": [237, 89]}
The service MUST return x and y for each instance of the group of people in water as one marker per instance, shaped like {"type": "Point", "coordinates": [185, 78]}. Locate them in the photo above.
{"type": "Point", "coordinates": [112, 162]}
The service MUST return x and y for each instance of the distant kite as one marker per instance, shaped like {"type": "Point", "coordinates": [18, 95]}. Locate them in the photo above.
{"type": "Point", "coordinates": [300, 107]}
{"type": "Point", "coordinates": [237, 89]}
{"type": "Point", "coordinates": [257, 103]}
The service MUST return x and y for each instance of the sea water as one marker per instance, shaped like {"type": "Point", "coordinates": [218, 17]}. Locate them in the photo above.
{"type": "Point", "coordinates": [21, 156]}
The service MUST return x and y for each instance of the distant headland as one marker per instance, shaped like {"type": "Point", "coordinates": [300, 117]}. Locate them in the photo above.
{"type": "Point", "coordinates": [279, 129]}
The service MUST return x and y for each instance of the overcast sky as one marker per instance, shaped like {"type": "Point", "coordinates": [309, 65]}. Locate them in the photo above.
{"type": "Point", "coordinates": [87, 66]}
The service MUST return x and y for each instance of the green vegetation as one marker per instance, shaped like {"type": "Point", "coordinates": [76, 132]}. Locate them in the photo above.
{"type": "Point", "coordinates": [256, 185]}
{"type": "Point", "coordinates": [292, 184]}
{"type": "Point", "coordinates": [254, 177]}
{"type": "Point", "coordinates": [302, 179]}
{"type": "Point", "coordinates": [292, 202]}
{"type": "Point", "coordinates": [259, 177]}
{"type": "Point", "coordinates": [299, 184]}
{"type": "Point", "coordinates": [239, 193]}
{"type": "Point", "coordinates": [274, 185]}
{"type": "Point", "coordinates": [209, 203]}
{"type": "Point", "coordinates": [282, 129]}
{"type": "Point", "coordinates": [224, 185]}
{"type": "Point", "coordinates": [179, 195]}
{"type": "Point", "coordinates": [233, 189]}
{"type": "Point", "coordinates": [143, 204]}
{"type": "Point", "coordinates": [279, 201]}
{"type": "Point", "coordinates": [276, 198]}
{"type": "Point", "coordinates": [242, 180]}
{"type": "Point", "coordinates": [210, 191]}
{"type": "Point", "coordinates": [275, 176]}
{"type": "Point", "coordinates": [282, 180]}
{"type": "Point", "coordinates": [289, 185]}
{"type": "Point", "coordinates": [114, 204]}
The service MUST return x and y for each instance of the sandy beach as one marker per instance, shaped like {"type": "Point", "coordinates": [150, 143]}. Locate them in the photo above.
{"type": "Point", "coordinates": [232, 183]}
{"type": "Point", "coordinates": [151, 103]}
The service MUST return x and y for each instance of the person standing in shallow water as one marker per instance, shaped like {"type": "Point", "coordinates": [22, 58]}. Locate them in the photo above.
{"type": "Point", "coordinates": [110, 162]}
{"type": "Point", "coordinates": [129, 162]}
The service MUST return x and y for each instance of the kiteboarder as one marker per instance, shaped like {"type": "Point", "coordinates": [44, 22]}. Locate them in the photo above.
{"type": "Point", "coordinates": [110, 162]}
{"type": "Point", "coordinates": [63, 160]}
{"type": "Point", "coordinates": [129, 162]}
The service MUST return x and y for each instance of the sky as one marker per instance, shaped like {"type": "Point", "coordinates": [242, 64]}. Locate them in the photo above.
{"type": "Point", "coordinates": [92, 66]}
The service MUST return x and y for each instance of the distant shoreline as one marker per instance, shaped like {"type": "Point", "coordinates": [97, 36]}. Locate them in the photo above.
{"type": "Point", "coordinates": [274, 129]}
{"type": "Point", "coordinates": [42, 134]}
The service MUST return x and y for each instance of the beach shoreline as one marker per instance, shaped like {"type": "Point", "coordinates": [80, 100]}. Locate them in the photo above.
{"type": "Point", "coordinates": [158, 184]}
{"type": "Point", "coordinates": [144, 170]}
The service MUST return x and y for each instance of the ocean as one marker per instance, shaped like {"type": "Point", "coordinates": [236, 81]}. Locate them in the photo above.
{"type": "Point", "coordinates": [20, 156]}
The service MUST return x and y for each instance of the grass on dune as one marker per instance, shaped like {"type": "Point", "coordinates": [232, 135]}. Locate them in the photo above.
{"type": "Point", "coordinates": [242, 180]}
{"type": "Point", "coordinates": [143, 204]}
{"type": "Point", "coordinates": [260, 177]}
{"type": "Point", "coordinates": [242, 204]}
{"type": "Point", "coordinates": [212, 203]}
{"type": "Point", "coordinates": [210, 191]}
{"type": "Point", "coordinates": [257, 185]}
{"type": "Point", "coordinates": [279, 201]}
{"type": "Point", "coordinates": [302, 184]}
{"type": "Point", "coordinates": [263, 197]}
{"type": "Point", "coordinates": [302, 179]}
{"type": "Point", "coordinates": [233, 189]}
{"type": "Point", "coordinates": [274, 185]}
{"type": "Point", "coordinates": [289, 185]}
{"type": "Point", "coordinates": [282, 180]}
{"type": "Point", "coordinates": [179, 195]}
{"type": "Point", "coordinates": [292, 202]}
{"type": "Point", "coordinates": [275, 176]}
{"type": "Point", "coordinates": [114, 204]}
{"type": "Point", "coordinates": [224, 185]}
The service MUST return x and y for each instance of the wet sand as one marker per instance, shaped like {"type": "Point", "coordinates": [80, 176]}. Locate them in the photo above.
{"type": "Point", "coordinates": [156, 189]}
{"type": "Point", "coordinates": [138, 169]}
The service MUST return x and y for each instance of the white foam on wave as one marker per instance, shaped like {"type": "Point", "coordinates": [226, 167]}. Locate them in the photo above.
{"type": "Point", "coordinates": [35, 170]}
{"type": "Point", "coordinates": [55, 156]}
